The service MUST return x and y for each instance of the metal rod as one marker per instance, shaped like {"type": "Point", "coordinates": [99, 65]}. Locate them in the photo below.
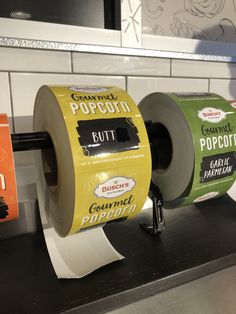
{"type": "Point", "coordinates": [39, 140]}
{"type": "Point", "coordinates": [30, 141]}
{"type": "Point", "coordinates": [42, 140]}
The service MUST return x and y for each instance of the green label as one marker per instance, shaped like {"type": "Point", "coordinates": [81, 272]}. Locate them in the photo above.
{"type": "Point", "coordinates": [212, 121]}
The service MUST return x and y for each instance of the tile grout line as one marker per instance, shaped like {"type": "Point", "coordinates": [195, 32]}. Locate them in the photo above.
{"type": "Point", "coordinates": [71, 62]}
{"type": "Point", "coordinates": [120, 75]}
{"type": "Point", "coordinates": [11, 101]}
{"type": "Point", "coordinates": [66, 73]}
{"type": "Point", "coordinates": [126, 83]}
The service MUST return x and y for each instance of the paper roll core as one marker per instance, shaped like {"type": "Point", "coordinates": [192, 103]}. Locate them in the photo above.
{"type": "Point", "coordinates": [173, 125]}
{"type": "Point", "coordinates": [49, 162]}
{"type": "Point", "coordinates": [161, 141]}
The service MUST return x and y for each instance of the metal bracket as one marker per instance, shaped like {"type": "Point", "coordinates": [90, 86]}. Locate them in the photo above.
{"type": "Point", "coordinates": [158, 221]}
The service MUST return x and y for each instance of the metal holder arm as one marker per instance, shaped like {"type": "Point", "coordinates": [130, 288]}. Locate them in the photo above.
{"type": "Point", "coordinates": [158, 221]}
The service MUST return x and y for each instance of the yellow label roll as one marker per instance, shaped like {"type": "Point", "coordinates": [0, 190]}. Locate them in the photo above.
{"type": "Point", "coordinates": [100, 166]}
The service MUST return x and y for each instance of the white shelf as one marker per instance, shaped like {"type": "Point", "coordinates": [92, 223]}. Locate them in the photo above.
{"type": "Point", "coordinates": [49, 36]}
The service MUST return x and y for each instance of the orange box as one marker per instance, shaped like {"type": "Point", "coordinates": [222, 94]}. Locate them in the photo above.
{"type": "Point", "coordinates": [8, 191]}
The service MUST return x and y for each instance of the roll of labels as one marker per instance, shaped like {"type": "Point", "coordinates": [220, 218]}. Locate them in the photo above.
{"type": "Point", "coordinates": [99, 160]}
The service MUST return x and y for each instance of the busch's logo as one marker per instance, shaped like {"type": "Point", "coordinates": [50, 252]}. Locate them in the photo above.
{"type": "Point", "coordinates": [211, 114]}
{"type": "Point", "coordinates": [114, 187]}
{"type": "Point", "coordinates": [88, 89]}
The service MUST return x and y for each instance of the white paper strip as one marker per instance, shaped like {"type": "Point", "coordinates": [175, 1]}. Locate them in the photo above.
{"type": "Point", "coordinates": [77, 255]}
{"type": "Point", "coordinates": [80, 254]}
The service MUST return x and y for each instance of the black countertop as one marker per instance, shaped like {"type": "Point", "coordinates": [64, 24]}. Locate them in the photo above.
{"type": "Point", "coordinates": [198, 240]}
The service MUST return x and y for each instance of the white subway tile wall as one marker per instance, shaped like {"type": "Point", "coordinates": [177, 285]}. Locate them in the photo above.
{"type": "Point", "coordinates": [139, 87]}
{"type": "Point", "coordinates": [203, 69]}
{"type": "Point", "coordinates": [226, 88]}
{"type": "Point", "coordinates": [23, 71]}
{"type": "Point", "coordinates": [124, 65]}
{"type": "Point", "coordinates": [30, 60]}
{"type": "Point", "coordinates": [5, 100]}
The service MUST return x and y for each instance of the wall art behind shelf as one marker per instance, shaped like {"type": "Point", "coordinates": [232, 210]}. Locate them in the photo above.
{"type": "Point", "coordinates": [199, 19]}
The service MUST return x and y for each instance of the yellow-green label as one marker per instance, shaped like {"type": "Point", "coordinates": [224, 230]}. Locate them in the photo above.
{"type": "Point", "coordinates": [110, 150]}
{"type": "Point", "coordinates": [212, 121]}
